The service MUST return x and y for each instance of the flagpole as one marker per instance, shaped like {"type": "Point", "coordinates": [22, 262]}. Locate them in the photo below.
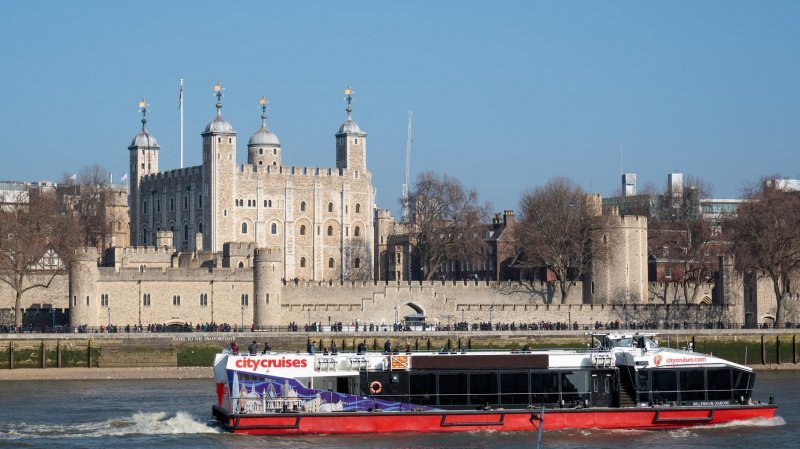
{"type": "Point", "coordinates": [181, 108]}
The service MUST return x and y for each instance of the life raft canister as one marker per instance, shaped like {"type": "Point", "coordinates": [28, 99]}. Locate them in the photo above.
{"type": "Point", "coordinates": [375, 387]}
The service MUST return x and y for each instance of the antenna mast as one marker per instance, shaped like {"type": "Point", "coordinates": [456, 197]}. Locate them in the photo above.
{"type": "Point", "coordinates": [408, 167]}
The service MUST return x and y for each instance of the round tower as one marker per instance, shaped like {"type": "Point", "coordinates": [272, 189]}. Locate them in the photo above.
{"type": "Point", "coordinates": [264, 147]}
{"type": "Point", "coordinates": [83, 301]}
{"type": "Point", "coordinates": [267, 269]}
{"type": "Point", "coordinates": [144, 161]}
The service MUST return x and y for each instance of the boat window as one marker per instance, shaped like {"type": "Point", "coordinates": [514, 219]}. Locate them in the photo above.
{"type": "Point", "coordinates": [719, 384]}
{"type": "Point", "coordinates": [743, 384]}
{"type": "Point", "coordinates": [483, 388]}
{"type": "Point", "coordinates": [514, 388]}
{"type": "Point", "coordinates": [693, 385]}
{"type": "Point", "coordinates": [544, 387]}
{"type": "Point", "coordinates": [423, 389]}
{"type": "Point", "coordinates": [622, 343]}
{"type": "Point", "coordinates": [574, 386]}
{"type": "Point", "coordinates": [453, 389]}
{"type": "Point", "coordinates": [643, 385]}
{"type": "Point", "coordinates": [665, 385]}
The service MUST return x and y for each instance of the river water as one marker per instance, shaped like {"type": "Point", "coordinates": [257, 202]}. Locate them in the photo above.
{"type": "Point", "coordinates": [177, 414]}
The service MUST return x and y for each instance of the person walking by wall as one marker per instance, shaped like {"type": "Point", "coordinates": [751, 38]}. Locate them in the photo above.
{"type": "Point", "coordinates": [253, 348]}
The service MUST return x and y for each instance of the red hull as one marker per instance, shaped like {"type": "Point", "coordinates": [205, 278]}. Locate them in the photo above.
{"type": "Point", "coordinates": [505, 421]}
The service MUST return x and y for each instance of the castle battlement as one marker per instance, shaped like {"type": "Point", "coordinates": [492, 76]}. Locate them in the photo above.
{"type": "Point", "coordinates": [177, 173]}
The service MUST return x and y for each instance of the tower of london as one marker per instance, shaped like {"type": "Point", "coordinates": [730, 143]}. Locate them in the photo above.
{"type": "Point", "coordinates": [320, 218]}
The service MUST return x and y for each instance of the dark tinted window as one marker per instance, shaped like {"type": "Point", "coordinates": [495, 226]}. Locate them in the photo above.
{"type": "Point", "coordinates": [514, 388]}
{"type": "Point", "coordinates": [719, 384]}
{"type": "Point", "coordinates": [665, 385]}
{"type": "Point", "coordinates": [483, 388]}
{"type": "Point", "coordinates": [544, 387]}
{"type": "Point", "coordinates": [643, 385]}
{"type": "Point", "coordinates": [452, 389]}
{"type": "Point", "coordinates": [693, 385]}
{"type": "Point", "coordinates": [423, 389]}
{"type": "Point", "coordinates": [742, 382]}
{"type": "Point", "coordinates": [574, 387]}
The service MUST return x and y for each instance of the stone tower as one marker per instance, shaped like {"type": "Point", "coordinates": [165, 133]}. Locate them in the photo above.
{"type": "Point", "coordinates": [267, 270]}
{"type": "Point", "coordinates": [83, 275]}
{"type": "Point", "coordinates": [144, 161]}
{"type": "Point", "coordinates": [351, 142]}
{"type": "Point", "coordinates": [264, 147]}
{"type": "Point", "coordinates": [618, 274]}
{"type": "Point", "coordinates": [219, 168]}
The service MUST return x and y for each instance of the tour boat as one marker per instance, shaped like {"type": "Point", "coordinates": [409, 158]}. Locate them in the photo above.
{"type": "Point", "coordinates": [624, 381]}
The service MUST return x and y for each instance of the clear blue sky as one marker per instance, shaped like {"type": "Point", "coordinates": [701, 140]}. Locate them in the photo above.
{"type": "Point", "coordinates": [505, 94]}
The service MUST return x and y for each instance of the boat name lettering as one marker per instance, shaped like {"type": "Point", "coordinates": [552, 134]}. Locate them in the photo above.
{"type": "Point", "coordinates": [271, 363]}
{"type": "Point", "coordinates": [659, 359]}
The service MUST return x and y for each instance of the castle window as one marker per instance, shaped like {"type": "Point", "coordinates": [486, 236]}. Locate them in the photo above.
{"type": "Point", "coordinates": [142, 165]}
{"type": "Point", "coordinates": [356, 232]}
{"type": "Point", "coordinates": [185, 232]}
{"type": "Point", "coordinates": [203, 299]}
{"type": "Point", "coordinates": [172, 204]}
{"type": "Point", "coordinates": [104, 300]}
{"type": "Point", "coordinates": [274, 151]}
{"type": "Point", "coordinates": [144, 236]}
{"type": "Point", "coordinates": [273, 228]}
{"type": "Point", "coordinates": [357, 263]}
{"type": "Point", "coordinates": [185, 202]}
{"type": "Point", "coordinates": [667, 272]}
{"type": "Point", "coordinates": [241, 264]}
{"type": "Point", "coordinates": [245, 299]}
{"type": "Point", "coordinates": [302, 262]}
{"type": "Point", "coordinates": [219, 139]}
{"type": "Point", "coordinates": [176, 300]}
{"type": "Point", "coordinates": [302, 229]}
{"type": "Point", "coordinates": [244, 228]}
{"type": "Point", "coordinates": [144, 211]}
{"type": "Point", "coordinates": [330, 262]}
{"type": "Point", "coordinates": [265, 203]}
{"type": "Point", "coordinates": [358, 208]}
{"type": "Point", "coordinates": [148, 166]}
{"type": "Point", "coordinates": [230, 139]}
{"type": "Point", "coordinates": [267, 300]}
{"type": "Point", "coordinates": [275, 163]}
{"type": "Point", "coordinates": [158, 205]}
{"type": "Point", "coordinates": [269, 203]}
{"type": "Point", "coordinates": [330, 230]}
{"type": "Point", "coordinates": [224, 212]}
{"type": "Point", "coordinates": [260, 151]}
{"type": "Point", "coordinates": [355, 140]}
{"type": "Point", "coordinates": [302, 206]}
{"type": "Point", "coordinates": [200, 201]}
{"type": "Point", "coordinates": [146, 300]}
{"type": "Point", "coordinates": [330, 207]}
{"type": "Point", "coordinates": [200, 227]}
{"type": "Point", "coordinates": [260, 162]}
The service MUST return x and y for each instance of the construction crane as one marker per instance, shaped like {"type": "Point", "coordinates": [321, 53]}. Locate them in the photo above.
{"type": "Point", "coordinates": [408, 168]}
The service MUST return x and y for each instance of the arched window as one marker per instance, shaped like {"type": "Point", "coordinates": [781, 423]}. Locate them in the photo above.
{"type": "Point", "coordinates": [186, 232]}
{"type": "Point", "coordinates": [241, 264]}
{"type": "Point", "coordinates": [172, 204]}
{"type": "Point", "coordinates": [357, 263]}
{"type": "Point", "coordinates": [302, 206]}
{"type": "Point", "coordinates": [275, 164]}
{"type": "Point", "coordinates": [302, 229]}
{"type": "Point", "coordinates": [269, 203]}
{"type": "Point", "coordinates": [330, 262]}
{"type": "Point", "coordinates": [185, 202]}
{"type": "Point", "coordinates": [200, 227]}
{"type": "Point", "coordinates": [330, 207]}
{"type": "Point", "coordinates": [274, 228]}
{"type": "Point", "coordinates": [302, 262]}
{"type": "Point", "coordinates": [245, 299]}
{"type": "Point", "coordinates": [274, 151]}
{"type": "Point", "coordinates": [358, 208]}
{"type": "Point", "coordinates": [244, 228]}
{"type": "Point", "coordinates": [330, 230]}
{"type": "Point", "coordinates": [260, 151]}
{"type": "Point", "coordinates": [356, 231]}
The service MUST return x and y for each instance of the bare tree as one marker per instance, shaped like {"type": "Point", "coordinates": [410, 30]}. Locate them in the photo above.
{"type": "Point", "coordinates": [558, 222]}
{"type": "Point", "coordinates": [766, 236]}
{"type": "Point", "coordinates": [678, 235]}
{"type": "Point", "coordinates": [357, 262]}
{"type": "Point", "coordinates": [27, 232]}
{"type": "Point", "coordinates": [82, 194]}
{"type": "Point", "coordinates": [445, 222]}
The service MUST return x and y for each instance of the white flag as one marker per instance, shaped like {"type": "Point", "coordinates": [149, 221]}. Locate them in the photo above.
{"type": "Point", "coordinates": [124, 178]}
{"type": "Point", "coordinates": [180, 96]}
{"type": "Point", "coordinates": [74, 177]}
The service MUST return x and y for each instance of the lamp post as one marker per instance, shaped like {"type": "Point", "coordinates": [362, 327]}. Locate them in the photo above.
{"type": "Point", "coordinates": [242, 328]}
{"type": "Point", "coordinates": [490, 313]}
{"type": "Point", "coordinates": [309, 317]}
{"type": "Point", "coordinates": [395, 318]}
{"type": "Point", "coordinates": [109, 316]}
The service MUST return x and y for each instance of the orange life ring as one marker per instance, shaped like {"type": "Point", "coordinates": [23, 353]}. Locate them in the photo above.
{"type": "Point", "coordinates": [375, 387]}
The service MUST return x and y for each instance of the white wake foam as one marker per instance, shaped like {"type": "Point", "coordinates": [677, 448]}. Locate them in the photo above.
{"type": "Point", "coordinates": [157, 423]}
{"type": "Point", "coordinates": [755, 422]}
